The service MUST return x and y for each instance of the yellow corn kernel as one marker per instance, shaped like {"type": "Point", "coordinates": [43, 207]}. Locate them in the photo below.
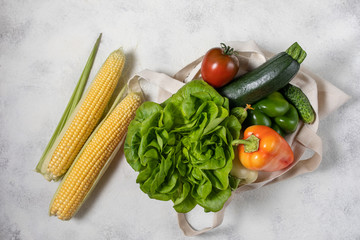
{"type": "Point", "coordinates": [86, 169]}
{"type": "Point", "coordinates": [88, 115]}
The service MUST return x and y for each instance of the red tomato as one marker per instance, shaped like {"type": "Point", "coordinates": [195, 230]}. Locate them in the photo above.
{"type": "Point", "coordinates": [219, 66]}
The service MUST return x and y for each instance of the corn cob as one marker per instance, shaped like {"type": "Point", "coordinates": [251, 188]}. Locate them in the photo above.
{"type": "Point", "coordinates": [74, 100]}
{"type": "Point", "coordinates": [94, 157]}
{"type": "Point", "coordinates": [86, 117]}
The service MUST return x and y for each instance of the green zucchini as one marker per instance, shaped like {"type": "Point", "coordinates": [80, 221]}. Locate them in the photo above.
{"type": "Point", "coordinates": [269, 77]}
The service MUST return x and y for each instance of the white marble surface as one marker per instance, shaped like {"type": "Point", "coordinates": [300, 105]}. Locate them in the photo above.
{"type": "Point", "coordinates": [43, 48]}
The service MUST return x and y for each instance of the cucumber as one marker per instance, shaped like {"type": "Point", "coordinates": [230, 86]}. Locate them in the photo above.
{"type": "Point", "coordinates": [294, 95]}
{"type": "Point", "coordinates": [265, 79]}
{"type": "Point", "coordinates": [241, 113]}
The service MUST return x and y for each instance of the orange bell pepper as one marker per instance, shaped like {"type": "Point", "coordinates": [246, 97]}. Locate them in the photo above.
{"type": "Point", "coordinates": [263, 149]}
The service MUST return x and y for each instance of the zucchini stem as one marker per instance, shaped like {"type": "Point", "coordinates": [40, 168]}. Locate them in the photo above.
{"type": "Point", "coordinates": [296, 52]}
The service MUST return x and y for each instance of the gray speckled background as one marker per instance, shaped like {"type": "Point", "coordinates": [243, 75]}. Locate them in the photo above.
{"type": "Point", "coordinates": [43, 48]}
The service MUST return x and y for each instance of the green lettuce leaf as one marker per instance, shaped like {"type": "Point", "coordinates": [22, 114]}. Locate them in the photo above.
{"type": "Point", "coordinates": [182, 148]}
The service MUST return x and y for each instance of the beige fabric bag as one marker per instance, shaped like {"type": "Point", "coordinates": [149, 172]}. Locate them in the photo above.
{"type": "Point", "coordinates": [323, 96]}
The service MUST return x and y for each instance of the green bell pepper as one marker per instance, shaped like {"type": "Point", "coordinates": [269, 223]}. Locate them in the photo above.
{"type": "Point", "coordinates": [273, 105]}
{"type": "Point", "coordinates": [276, 112]}
{"type": "Point", "coordinates": [289, 121]}
{"type": "Point", "coordinates": [278, 129]}
{"type": "Point", "coordinates": [256, 117]}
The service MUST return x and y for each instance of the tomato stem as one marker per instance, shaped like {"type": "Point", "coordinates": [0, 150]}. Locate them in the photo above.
{"type": "Point", "coordinates": [251, 144]}
{"type": "Point", "coordinates": [227, 50]}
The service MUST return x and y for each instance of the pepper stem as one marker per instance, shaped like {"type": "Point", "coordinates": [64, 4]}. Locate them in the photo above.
{"type": "Point", "coordinates": [251, 144]}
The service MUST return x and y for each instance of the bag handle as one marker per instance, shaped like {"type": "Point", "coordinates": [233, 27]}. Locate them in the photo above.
{"type": "Point", "coordinates": [217, 220]}
{"type": "Point", "coordinates": [310, 140]}
{"type": "Point", "coordinates": [161, 80]}
{"type": "Point", "coordinates": [190, 71]}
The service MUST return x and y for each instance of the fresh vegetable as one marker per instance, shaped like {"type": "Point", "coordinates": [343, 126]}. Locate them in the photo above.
{"type": "Point", "coordinates": [256, 117]}
{"type": "Point", "coordinates": [265, 79]}
{"type": "Point", "coordinates": [289, 121]}
{"type": "Point", "coordinates": [75, 98]}
{"type": "Point", "coordinates": [94, 159]}
{"type": "Point", "coordinates": [241, 113]}
{"type": "Point", "coordinates": [241, 175]}
{"type": "Point", "coordinates": [219, 66]}
{"type": "Point", "coordinates": [278, 129]}
{"type": "Point", "coordinates": [263, 149]}
{"type": "Point", "coordinates": [182, 148]}
{"type": "Point", "coordinates": [84, 120]}
{"type": "Point", "coordinates": [273, 105]}
{"type": "Point", "coordinates": [276, 112]}
{"type": "Point", "coordinates": [300, 101]}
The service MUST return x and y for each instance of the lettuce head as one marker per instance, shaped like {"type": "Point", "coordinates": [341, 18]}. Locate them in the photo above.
{"type": "Point", "coordinates": [182, 148]}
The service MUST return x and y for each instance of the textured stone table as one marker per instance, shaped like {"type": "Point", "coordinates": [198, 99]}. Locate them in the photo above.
{"type": "Point", "coordinates": [43, 48]}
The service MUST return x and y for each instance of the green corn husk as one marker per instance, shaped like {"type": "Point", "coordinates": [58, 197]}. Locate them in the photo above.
{"type": "Point", "coordinates": [74, 100]}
